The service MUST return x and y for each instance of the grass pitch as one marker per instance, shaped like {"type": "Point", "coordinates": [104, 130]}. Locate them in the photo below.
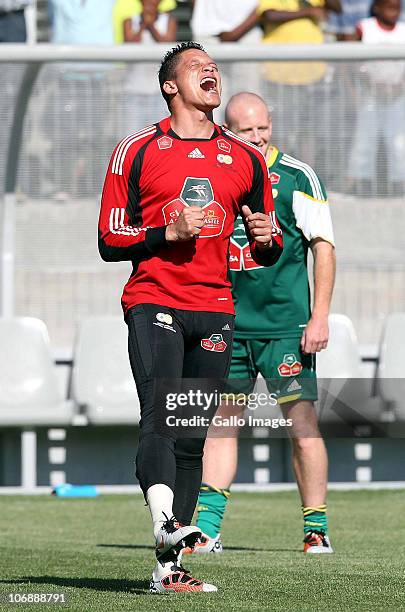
{"type": "Point", "coordinates": [98, 552]}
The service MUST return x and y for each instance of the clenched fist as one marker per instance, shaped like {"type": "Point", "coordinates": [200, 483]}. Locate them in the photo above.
{"type": "Point", "coordinates": [188, 225]}
{"type": "Point", "coordinates": [260, 227]}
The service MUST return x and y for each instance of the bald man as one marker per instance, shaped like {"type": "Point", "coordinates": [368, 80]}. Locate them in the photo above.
{"type": "Point", "coordinates": [276, 334]}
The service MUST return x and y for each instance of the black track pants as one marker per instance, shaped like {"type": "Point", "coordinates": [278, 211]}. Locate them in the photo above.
{"type": "Point", "coordinates": [167, 343]}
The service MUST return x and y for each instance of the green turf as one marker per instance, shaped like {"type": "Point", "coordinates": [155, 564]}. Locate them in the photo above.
{"type": "Point", "coordinates": [98, 553]}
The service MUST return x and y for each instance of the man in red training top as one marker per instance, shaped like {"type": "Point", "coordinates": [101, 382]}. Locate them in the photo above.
{"type": "Point", "coordinates": [170, 199]}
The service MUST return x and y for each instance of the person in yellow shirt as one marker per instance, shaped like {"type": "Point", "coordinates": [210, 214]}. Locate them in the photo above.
{"type": "Point", "coordinates": [144, 22]}
{"type": "Point", "coordinates": [290, 21]}
{"type": "Point", "coordinates": [297, 88]}
{"type": "Point", "coordinates": [296, 22]}
{"type": "Point", "coordinates": [149, 11]}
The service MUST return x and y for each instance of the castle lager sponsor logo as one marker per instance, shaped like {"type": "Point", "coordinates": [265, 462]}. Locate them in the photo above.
{"type": "Point", "coordinates": [213, 221]}
{"type": "Point", "coordinates": [198, 192]}
{"type": "Point", "coordinates": [172, 211]}
{"type": "Point", "coordinates": [274, 178]}
{"type": "Point", "coordinates": [214, 218]}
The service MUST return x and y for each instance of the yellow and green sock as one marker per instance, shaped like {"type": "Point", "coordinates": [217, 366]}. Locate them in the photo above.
{"type": "Point", "coordinates": [315, 519]}
{"type": "Point", "coordinates": [211, 509]}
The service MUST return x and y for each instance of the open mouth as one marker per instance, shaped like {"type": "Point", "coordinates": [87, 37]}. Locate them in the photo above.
{"type": "Point", "coordinates": [209, 84]}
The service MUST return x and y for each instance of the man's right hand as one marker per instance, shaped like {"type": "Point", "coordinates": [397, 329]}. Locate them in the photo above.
{"type": "Point", "coordinates": [188, 225]}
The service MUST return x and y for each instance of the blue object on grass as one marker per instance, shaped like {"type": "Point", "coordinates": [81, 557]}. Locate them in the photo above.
{"type": "Point", "coordinates": [68, 490]}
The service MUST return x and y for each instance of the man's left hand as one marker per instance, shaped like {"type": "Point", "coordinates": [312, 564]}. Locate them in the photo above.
{"type": "Point", "coordinates": [260, 227]}
{"type": "Point", "coordinates": [316, 335]}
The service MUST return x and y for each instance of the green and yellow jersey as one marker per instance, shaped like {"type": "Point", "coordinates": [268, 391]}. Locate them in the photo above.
{"type": "Point", "coordinates": [274, 302]}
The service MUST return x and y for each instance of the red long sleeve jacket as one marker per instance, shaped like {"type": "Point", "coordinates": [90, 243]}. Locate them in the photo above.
{"type": "Point", "coordinates": [152, 176]}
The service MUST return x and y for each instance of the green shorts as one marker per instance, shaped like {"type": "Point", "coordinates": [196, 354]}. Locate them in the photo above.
{"type": "Point", "coordinates": [289, 373]}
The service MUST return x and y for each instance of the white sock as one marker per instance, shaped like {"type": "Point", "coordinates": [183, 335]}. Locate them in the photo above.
{"type": "Point", "coordinates": [160, 502]}
{"type": "Point", "coordinates": [163, 569]}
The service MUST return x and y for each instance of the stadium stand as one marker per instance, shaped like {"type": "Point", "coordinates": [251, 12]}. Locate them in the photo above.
{"type": "Point", "coordinates": [102, 381]}
{"type": "Point", "coordinates": [58, 276]}
{"type": "Point", "coordinates": [60, 200]}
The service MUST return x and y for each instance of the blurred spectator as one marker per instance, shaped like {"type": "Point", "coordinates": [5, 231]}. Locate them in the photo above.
{"type": "Point", "coordinates": [343, 25]}
{"type": "Point", "coordinates": [12, 21]}
{"type": "Point", "coordinates": [297, 87]}
{"type": "Point", "coordinates": [382, 108]}
{"type": "Point", "coordinates": [144, 21]}
{"type": "Point", "coordinates": [82, 22]}
{"type": "Point", "coordinates": [216, 21]}
{"type": "Point", "coordinates": [293, 21]}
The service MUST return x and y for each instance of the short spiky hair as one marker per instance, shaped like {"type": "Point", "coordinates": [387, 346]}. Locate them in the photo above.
{"type": "Point", "coordinates": [167, 70]}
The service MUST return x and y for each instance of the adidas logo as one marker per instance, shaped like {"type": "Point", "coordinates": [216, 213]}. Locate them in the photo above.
{"type": "Point", "coordinates": [196, 154]}
{"type": "Point", "coordinates": [294, 386]}
{"type": "Point", "coordinates": [226, 327]}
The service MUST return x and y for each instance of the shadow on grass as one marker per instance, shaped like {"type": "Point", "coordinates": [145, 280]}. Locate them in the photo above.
{"type": "Point", "coordinates": [136, 587]}
{"type": "Point", "coordinates": [230, 548]}
{"type": "Point", "coordinates": [250, 549]}
{"type": "Point", "coordinates": [127, 546]}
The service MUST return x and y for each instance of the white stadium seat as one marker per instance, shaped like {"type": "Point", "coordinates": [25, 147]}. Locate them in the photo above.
{"type": "Point", "coordinates": [102, 381]}
{"type": "Point", "coordinates": [340, 377]}
{"type": "Point", "coordinates": [391, 367]}
{"type": "Point", "coordinates": [30, 395]}
{"type": "Point", "coordinates": [29, 391]}
{"type": "Point", "coordinates": [342, 358]}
